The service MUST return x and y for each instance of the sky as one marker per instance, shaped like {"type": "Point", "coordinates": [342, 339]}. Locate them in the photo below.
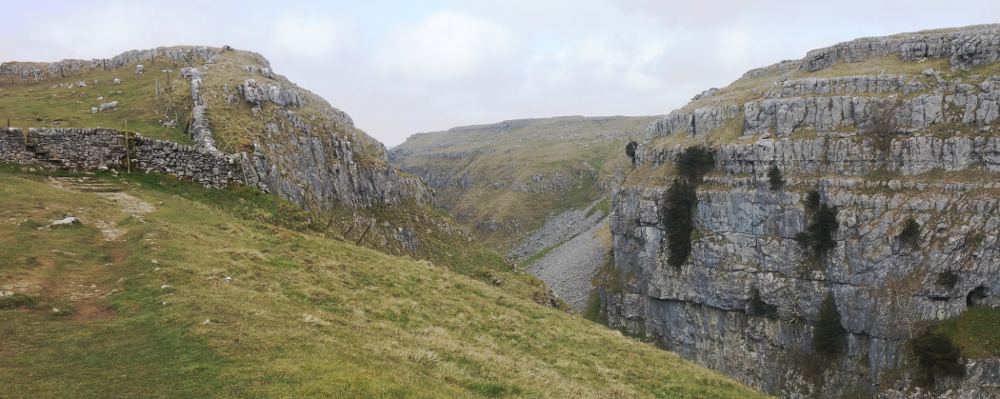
{"type": "Point", "coordinates": [403, 67]}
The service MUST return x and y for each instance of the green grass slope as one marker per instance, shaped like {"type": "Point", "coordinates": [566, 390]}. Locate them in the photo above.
{"type": "Point", "coordinates": [135, 302]}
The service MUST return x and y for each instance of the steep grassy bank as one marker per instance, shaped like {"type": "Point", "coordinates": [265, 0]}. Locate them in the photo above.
{"type": "Point", "coordinates": [303, 315]}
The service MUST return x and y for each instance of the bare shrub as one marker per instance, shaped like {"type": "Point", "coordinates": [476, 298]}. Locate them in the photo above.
{"type": "Point", "coordinates": [885, 120]}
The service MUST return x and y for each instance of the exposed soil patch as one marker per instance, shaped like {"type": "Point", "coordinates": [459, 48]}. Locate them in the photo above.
{"type": "Point", "coordinates": [88, 311]}
{"type": "Point", "coordinates": [123, 201]}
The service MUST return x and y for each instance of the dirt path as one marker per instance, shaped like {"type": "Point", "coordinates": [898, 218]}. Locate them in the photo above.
{"type": "Point", "coordinates": [123, 201]}
{"type": "Point", "coordinates": [79, 287]}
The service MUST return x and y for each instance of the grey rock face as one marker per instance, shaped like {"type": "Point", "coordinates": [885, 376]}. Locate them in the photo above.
{"type": "Point", "coordinates": [883, 287]}
{"type": "Point", "coordinates": [254, 93]}
{"type": "Point", "coordinates": [671, 124]}
{"type": "Point", "coordinates": [846, 85]}
{"type": "Point", "coordinates": [705, 94]}
{"type": "Point", "coordinates": [190, 73]}
{"type": "Point", "coordinates": [974, 45]}
{"type": "Point", "coordinates": [708, 118]}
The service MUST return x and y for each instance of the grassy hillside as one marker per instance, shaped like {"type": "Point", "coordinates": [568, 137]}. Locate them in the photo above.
{"type": "Point", "coordinates": [53, 103]}
{"type": "Point", "coordinates": [513, 173]}
{"type": "Point", "coordinates": [136, 302]}
{"type": "Point", "coordinates": [236, 126]}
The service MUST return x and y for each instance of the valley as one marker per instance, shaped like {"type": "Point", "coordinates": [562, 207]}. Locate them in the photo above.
{"type": "Point", "coordinates": [821, 227]}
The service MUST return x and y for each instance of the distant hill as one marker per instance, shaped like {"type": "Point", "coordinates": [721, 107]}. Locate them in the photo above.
{"type": "Point", "coordinates": [501, 181]}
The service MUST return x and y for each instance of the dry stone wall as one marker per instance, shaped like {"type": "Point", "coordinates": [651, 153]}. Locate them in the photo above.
{"type": "Point", "coordinates": [104, 149]}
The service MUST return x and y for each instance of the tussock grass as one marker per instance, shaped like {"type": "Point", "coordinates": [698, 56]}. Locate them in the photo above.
{"type": "Point", "coordinates": [305, 316]}
{"type": "Point", "coordinates": [976, 332]}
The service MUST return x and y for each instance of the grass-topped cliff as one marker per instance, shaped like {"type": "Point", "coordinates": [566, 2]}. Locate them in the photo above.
{"type": "Point", "coordinates": [846, 230]}
{"type": "Point", "coordinates": [170, 289]}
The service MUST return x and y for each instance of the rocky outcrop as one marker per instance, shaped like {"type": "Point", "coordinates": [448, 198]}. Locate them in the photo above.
{"type": "Point", "coordinates": [37, 71]}
{"type": "Point", "coordinates": [846, 85]}
{"type": "Point", "coordinates": [974, 105]}
{"type": "Point", "coordinates": [696, 124]}
{"type": "Point", "coordinates": [255, 93]}
{"type": "Point", "coordinates": [744, 244]}
{"type": "Point", "coordinates": [316, 172]}
{"type": "Point", "coordinates": [974, 45]}
{"type": "Point", "coordinates": [883, 288]}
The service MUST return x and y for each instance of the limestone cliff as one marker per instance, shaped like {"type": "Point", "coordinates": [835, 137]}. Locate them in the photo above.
{"type": "Point", "coordinates": [940, 169]}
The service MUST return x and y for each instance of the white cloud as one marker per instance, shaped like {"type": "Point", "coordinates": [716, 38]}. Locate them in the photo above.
{"type": "Point", "coordinates": [306, 36]}
{"type": "Point", "coordinates": [444, 46]}
{"type": "Point", "coordinates": [438, 64]}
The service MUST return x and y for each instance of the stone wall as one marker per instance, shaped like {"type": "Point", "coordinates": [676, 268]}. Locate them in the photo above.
{"type": "Point", "coordinates": [104, 149]}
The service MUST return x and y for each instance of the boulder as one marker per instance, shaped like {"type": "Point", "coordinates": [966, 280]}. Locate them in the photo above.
{"type": "Point", "coordinates": [107, 106]}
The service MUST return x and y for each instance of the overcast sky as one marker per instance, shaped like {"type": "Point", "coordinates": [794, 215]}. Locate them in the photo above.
{"type": "Point", "coordinates": [401, 67]}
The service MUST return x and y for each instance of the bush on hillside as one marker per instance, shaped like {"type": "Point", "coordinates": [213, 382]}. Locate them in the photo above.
{"type": "Point", "coordinates": [947, 279]}
{"type": "Point", "coordinates": [936, 355]}
{"type": "Point", "coordinates": [884, 120]}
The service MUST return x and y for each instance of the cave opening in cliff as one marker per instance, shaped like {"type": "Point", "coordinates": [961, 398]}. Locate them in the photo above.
{"type": "Point", "coordinates": [976, 296]}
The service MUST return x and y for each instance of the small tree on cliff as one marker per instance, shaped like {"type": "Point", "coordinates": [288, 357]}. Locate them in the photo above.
{"type": "Point", "coordinates": [678, 219]}
{"type": "Point", "coordinates": [911, 232]}
{"type": "Point", "coordinates": [812, 201]}
{"type": "Point", "coordinates": [828, 334]}
{"type": "Point", "coordinates": [774, 176]}
{"type": "Point", "coordinates": [694, 162]}
{"type": "Point", "coordinates": [818, 237]}
{"type": "Point", "coordinates": [884, 120]}
{"type": "Point", "coordinates": [678, 214]}
{"type": "Point", "coordinates": [630, 150]}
